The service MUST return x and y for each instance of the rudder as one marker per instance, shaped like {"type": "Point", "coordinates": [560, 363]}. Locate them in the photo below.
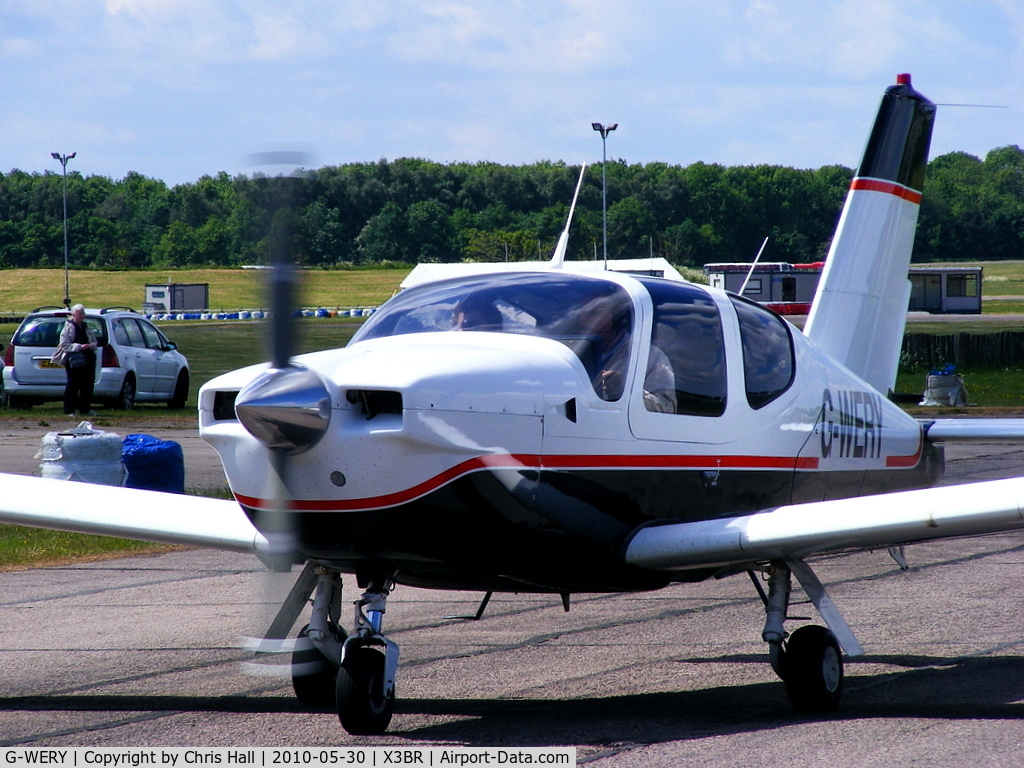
{"type": "Point", "coordinates": [859, 310]}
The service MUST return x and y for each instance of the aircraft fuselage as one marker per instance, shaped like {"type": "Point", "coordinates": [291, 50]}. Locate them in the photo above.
{"type": "Point", "coordinates": [500, 459]}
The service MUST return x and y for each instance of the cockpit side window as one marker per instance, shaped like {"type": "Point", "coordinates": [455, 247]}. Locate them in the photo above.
{"type": "Point", "coordinates": [686, 336]}
{"type": "Point", "coordinates": [604, 328]}
{"type": "Point", "coordinates": [768, 359]}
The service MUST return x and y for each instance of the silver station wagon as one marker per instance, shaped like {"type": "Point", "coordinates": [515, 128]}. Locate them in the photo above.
{"type": "Point", "coordinates": [135, 361]}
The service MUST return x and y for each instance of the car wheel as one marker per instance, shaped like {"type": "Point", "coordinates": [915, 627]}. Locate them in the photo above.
{"type": "Point", "coordinates": [126, 397]}
{"type": "Point", "coordinates": [180, 392]}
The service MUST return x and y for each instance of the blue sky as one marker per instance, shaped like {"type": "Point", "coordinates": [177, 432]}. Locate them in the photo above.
{"type": "Point", "coordinates": [175, 89]}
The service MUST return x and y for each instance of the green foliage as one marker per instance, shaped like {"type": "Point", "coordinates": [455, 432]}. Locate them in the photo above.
{"type": "Point", "coordinates": [411, 210]}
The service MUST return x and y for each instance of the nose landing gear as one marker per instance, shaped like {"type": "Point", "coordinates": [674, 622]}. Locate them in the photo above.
{"type": "Point", "coordinates": [355, 673]}
{"type": "Point", "coordinates": [366, 678]}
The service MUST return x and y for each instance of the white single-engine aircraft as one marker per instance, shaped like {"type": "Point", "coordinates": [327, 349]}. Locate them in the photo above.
{"type": "Point", "coordinates": [584, 433]}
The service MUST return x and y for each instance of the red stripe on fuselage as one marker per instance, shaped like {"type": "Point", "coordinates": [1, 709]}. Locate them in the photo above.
{"type": "Point", "coordinates": [910, 460]}
{"type": "Point", "coordinates": [888, 187]}
{"type": "Point", "coordinates": [526, 461]}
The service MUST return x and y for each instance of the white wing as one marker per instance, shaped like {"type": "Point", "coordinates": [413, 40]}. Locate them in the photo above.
{"type": "Point", "coordinates": [128, 512]}
{"type": "Point", "coordinates": [801, 530]}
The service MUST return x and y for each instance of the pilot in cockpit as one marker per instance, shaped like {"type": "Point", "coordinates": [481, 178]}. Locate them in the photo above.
{"type": "Point", "coordinates": [474, 313]}
{"type": "Point", "coordinates": [611, 324]}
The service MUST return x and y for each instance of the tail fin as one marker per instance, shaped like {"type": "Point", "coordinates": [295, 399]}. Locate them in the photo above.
{"type": "Point", "coordinates": [860, 307]}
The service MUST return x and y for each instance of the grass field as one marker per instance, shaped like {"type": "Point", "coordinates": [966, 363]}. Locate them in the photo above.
{"type": "Point", "coordinates": [22, 290]}
{"type": "Point", "coordinates": [36, 547]}
{"type": "Point", "coordinates": [215, 347]}
{"type": "Point", "coordinates": [1000, 390]}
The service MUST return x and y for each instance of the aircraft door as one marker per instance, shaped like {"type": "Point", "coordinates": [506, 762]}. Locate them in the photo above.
{"type": "Point", "coordinates": [681, 383]}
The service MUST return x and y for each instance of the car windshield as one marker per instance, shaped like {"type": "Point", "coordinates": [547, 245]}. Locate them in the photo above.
{"type": "Point", "coordinates": [44, 331]}
{"type": "Point", "coordinates": [592, 317]}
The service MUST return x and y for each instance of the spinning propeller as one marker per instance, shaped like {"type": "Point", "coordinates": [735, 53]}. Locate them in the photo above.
{"type": "Point", "coordinates": [287, 408]}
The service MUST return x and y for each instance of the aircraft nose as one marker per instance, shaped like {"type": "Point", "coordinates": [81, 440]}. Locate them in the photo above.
{"type": "Point", "coordinates": [285, 408]}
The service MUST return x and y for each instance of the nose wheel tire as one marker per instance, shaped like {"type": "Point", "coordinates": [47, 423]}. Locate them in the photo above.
{"type": "Point", "coordinates": [813, 670]}
{"type": "Point", "coordinates": [363, 706]}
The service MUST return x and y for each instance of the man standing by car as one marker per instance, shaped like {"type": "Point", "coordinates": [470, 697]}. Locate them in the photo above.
{"type": "Point", "coordinates": [77, 353]}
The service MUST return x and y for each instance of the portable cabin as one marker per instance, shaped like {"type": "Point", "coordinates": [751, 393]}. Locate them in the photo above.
{"type": "Point", "coordinates": [175, 297]}
{"type": "Point", "coordinates": [789, 288]}
{"type": "Point", "coordinates": [786, 288]}
{"type": "Point", "coordinates": [945, 290]}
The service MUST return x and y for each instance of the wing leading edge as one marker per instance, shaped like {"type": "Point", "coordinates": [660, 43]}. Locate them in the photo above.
{"type": "Point", "coordinates": [802, 530]}
{"type": "Point", "coordinates": [972, 430]}
{"type": "Point", "coordinates": [131, 513]}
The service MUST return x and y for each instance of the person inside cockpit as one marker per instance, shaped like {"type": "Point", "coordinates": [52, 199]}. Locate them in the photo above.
{"type": "Point", "coordinates": [474, 313]}
{"type": "Point", "coordinates": [659, 382]}
{"type": "Point", "coordinates": [611, 324]}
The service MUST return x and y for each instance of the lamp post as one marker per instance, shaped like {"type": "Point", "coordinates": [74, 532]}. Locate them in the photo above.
{"type": "Point", "coordinates": [604, 130]}
{"type": "Point", "coordinates": [63, 160]}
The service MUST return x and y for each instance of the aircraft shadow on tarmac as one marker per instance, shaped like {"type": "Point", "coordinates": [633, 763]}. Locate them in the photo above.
{"type": "Point", "coordinates": [940, 688]}
{"type": "Point", "coordinates": [934, 688]}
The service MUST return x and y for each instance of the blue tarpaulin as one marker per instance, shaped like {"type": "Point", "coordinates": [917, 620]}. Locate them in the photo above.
{"type": "Point", "coordinates": [153, 464]}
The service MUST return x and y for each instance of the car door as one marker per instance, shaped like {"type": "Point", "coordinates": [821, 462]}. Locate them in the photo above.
{"type": "Point", "coordinates": [162, 359]}
{"type": "Point", "coordinates": [136, 355]}
{"type": "Point", "coordinates": [34, 344]}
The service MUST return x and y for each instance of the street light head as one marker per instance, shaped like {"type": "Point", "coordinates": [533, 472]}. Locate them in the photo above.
{"type": "Point", "coordinates": [55, 155]}
{"type": "Point", "coordinates": [610, 128]}
{"type": "Point", "coordinates": [595, 126]}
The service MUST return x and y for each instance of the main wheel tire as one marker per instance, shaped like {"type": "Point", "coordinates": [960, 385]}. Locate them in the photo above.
{"type": "Point", "coordinates": [813, 670]}
{"type": "Point", "coordinates": [314, 678]}
{"type": "Point", "coordinates": [363, 708]}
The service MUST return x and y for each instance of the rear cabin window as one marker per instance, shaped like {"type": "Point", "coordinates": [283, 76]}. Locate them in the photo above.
{"type": "Point", "coordinates": [768, 365]}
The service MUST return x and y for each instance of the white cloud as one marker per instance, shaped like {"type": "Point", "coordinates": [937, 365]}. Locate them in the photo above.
{"type": "Point", "coordinates": [19, 47]}
{"type": "Point", "coordinates": [734, 81]}
{"type": "Point", "coordinates": [515, 37]}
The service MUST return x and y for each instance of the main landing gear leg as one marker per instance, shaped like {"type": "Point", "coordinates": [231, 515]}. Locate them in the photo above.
{"type": "Point", "coordinates": [365, 690]}
{"type": "Point", "coordinates": [317, 652]}
{"type": "Point", "coordinates": [809, 661]}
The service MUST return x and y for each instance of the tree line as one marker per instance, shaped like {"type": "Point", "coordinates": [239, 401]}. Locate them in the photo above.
{"type": "Point", "coordinates": [413, 210]}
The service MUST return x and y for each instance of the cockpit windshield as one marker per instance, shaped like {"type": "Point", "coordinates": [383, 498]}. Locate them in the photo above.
{"type": "Point", "coordinates": [592, 317]}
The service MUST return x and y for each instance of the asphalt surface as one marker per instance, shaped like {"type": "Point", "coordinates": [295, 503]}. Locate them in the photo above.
{"type": "Point", "coordinates": [145, 652]}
